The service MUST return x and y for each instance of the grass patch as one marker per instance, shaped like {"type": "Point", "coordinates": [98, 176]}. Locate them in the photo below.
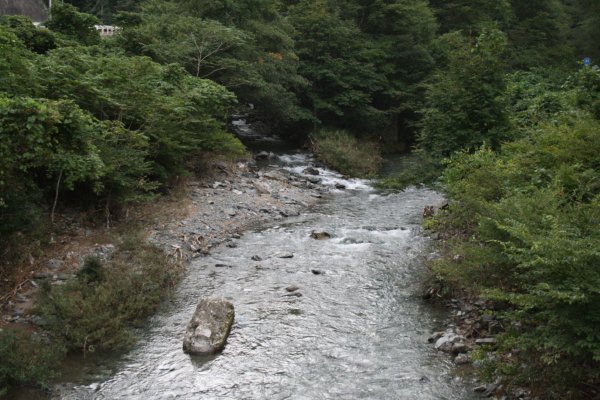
{"type": "Point", "coordinates": [347, 154]}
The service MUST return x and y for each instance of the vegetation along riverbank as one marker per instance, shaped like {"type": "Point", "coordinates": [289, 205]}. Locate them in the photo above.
{"type": "Point", "coordinates": [498, 101]}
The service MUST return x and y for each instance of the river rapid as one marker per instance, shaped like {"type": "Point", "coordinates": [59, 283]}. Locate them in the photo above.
{"type": "Point", "coordinates": [355, 328]}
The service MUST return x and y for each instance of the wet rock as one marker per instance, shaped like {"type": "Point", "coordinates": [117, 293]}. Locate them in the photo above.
{"type": "Point", "coordinates": [285, 255]}
{"type": "Point", "coordinates": [209, 327]}
{"type": "Point", "coordinates": [263, 155]}
{"type": "Point", "coordinates": [256, 258]}
{"type": "Point", "coordinates": [459, 347]}
{"type": "Point", "coordinates": [311, 171]}
{"type": "Point", "coordinates": [462, 359]}
{"type": "Point", "coordinates": [447, 341]}
{"type": "Point", "coordinates": [231, 212]}
{"type": "Point", "coordinates": [486, 341]}
{"type": "Point", "coordinates": [320, 235]}
{"type": "Point", "coordinates": [434, 337]}
{"type": "Point", "coordinates": [340, 186]}
{"type": "Point", "coordinates": [314, 180]}
{"type": "Point", "coordinates": [424, 379]}
{"type": "Point", "coordinates": [292, 288]}
{"type": "Point", "coordinates": [316, 271]}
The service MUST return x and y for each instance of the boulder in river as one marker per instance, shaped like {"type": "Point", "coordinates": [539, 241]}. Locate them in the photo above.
{"type": "Point", "coordinates": [320, 235]}
{"type": "Point", "coordinates": [311, 171]}
{"type": "Point", "coordinates": [209, 327]}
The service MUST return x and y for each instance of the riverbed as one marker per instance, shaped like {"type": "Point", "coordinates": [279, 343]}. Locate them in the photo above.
{"type": "Point", "coordinates": [355, 328]}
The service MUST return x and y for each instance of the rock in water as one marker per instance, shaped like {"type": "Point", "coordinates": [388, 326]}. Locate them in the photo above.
{"type": "Point", "coordinates": [209, 328]}
{"type": "Point", "coordinates": [320, 235]}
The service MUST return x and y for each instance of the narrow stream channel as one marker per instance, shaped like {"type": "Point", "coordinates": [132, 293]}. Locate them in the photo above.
{"type": "Point", "coordinates": [358, 330]}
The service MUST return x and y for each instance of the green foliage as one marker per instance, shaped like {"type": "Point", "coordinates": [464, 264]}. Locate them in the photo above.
{"type": "Point", "coordinates": [250, 52]}
{"type": "Point", "coordinates": [27, 359]}
{"type": "Point", "coordinates": [36, 39]}
{"type": "Point", "coordinates": [532, 214]}
{"type": "Point", "coordinates": [97, 310]}
{"type": "Point", "coordinates": [71, 23]}
{"type": "Point", "coordinates": [464, 104]}
{"type": "Point", "coordinates": [17, 73]}
{"type": "Point", "coordinates": [347, 154]}
{"type": "Point", "coordinates": [416, 169]}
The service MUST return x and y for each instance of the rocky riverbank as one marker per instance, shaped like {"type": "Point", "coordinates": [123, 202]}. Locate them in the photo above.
{"type": "Point", "coordinates": [208, 212]}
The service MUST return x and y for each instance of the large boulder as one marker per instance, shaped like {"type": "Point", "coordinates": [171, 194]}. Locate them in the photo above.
{"type": "Point", "coordinates": [209, 328]}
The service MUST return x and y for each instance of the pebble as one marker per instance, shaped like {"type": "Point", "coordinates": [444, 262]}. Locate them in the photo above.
{"type": "Point", "coordinates": [292, 288]}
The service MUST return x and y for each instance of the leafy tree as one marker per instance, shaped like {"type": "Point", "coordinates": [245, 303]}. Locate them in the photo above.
{"type": "Point", "coordinates": [17, 72]}
{"type": "Point", "coordinates": [338, 63]}
{"type": "Point", "coordinates": [38, 40]}
{"type": "Point", "coordinates": [67, 20]}
{"type": "Point", "coordinates": [248, 54]}
{"type": "Point", "coordinates": [465, 107]}
{"type": "Point", "coordinates": [540, 33]}
{"type": "Point", "coordinates": [470, 15]}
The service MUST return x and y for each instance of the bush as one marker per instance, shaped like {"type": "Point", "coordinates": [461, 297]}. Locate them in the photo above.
{"type": "Point", "coordinates": [97, 310]}
{"type": "Point", "coordinates": [27, 359]}
{"type": "Point", "coordinates": [347, 154]}
{"type": "Point", "coordinates": [531, 215]}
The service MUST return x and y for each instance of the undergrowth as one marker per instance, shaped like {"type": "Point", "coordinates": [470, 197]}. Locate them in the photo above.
{"type": "Point", "coordinates": [347, 154]}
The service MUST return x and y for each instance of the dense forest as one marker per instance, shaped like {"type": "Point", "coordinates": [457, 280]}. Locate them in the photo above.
{"type": "Point", "coordinates": [494, 99]}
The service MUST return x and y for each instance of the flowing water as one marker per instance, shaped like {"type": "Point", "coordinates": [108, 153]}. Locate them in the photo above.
{"type": "Point", "coordinates": [358, 330]}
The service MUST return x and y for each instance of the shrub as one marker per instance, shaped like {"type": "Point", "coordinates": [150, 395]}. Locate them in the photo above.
{"type": "Point", "coordinates": [346, 153]}
{"type": "Point", "coordinates": [26, 359]}
{"type": "Point", "coordinates": [532, 215]}
{"type": "Point", "coordinates": [97, 310]}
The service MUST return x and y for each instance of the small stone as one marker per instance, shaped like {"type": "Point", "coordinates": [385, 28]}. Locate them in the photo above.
{"type": "Point", "coordinates": [263, 155]}
{"type": "Point", "coordinates": [232, 245]}
{"type": "Point", "coordinates": [54, 264]}
{"type": "Point", "coordinates": [292, 288]}
{"type": "Point", "coordinates": [459, 347]}
{"type": "Point", "coordinates": [311, 171]}
{"type": "Point", "coordinates": [320, 235]}
{"type": "Point", "coordinates": [285, 255]}
{"type": "Point", "coordinates": [480, 389]}
{"type": "Point", "coordinates": [314, 180]}
{"type": "Point", "coordinates": [462, 359]}
{"type": "Point", "coordinates": [316, 271]}
{"type": "Point", "coordinates": [261, 188]}
{"type": "Point", "coordinates": [434, 337]}
{"type": "Point", "coordinates": [340, 186]}
{"type": "Point", "coordinates": [231, 212]}
{"type": "Point", "coordinates": [256, 258]}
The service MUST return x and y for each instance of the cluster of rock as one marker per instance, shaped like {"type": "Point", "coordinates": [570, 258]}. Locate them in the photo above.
{"type": "Point", "coordinates": [474, 325]}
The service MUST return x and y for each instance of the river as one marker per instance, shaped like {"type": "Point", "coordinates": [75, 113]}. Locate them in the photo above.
{"type": "Point", "coordinates": [356, 328]}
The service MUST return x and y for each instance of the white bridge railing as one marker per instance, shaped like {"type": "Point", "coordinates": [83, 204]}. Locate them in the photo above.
{"type": "Point", "coordinates": [107, 30]}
